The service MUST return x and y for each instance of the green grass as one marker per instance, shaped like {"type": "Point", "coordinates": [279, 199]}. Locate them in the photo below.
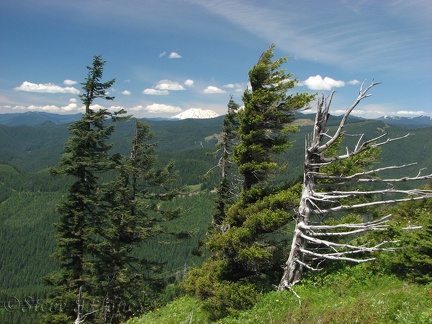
{"type": "Point", "coordinates": [351, 295]}
{"type": "Point", "coordinates": [185, 309]}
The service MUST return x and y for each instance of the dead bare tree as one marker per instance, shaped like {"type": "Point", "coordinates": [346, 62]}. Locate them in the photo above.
{"type": "Point", "coordinates": [81, 316]}
{"type": "Point", "coordinates": [314, 242]}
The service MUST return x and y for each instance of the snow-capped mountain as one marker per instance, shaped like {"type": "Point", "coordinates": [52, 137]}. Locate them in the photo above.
{"type": "Point", "coordinates": [196, 113]}
{"type": "Point", "coordinates": [419, 121]}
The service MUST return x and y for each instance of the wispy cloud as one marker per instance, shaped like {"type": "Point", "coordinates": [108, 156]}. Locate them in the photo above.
{"type": "Point", "coordinates": [158, 109]}
{"type": "Point", "coordinates": [314, 32]}
{"type": "Point", "coordinates": [379, 110]}
{"type": "Point", "coordinates": [353, 82]}
{"type": "Point", "coordinates": [155, 92]}
{"type": "Point", "coordinates": [237, 87]}
{"type": "Point", "coordinates": [45, 88]}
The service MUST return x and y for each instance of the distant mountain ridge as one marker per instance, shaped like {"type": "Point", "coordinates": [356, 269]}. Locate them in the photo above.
{"type": "Point", "coordinates": [33, 118]}
{"type": "Point", "coordinates": [38, 118]}
{"type": "Point", "coordinates": [411, 122]}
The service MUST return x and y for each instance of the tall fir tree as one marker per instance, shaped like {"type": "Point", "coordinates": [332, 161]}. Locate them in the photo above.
{"type": "Point", "coordinates": [86, 156]}
{"type": "Point", "coordinates": [247, 252]}
{"type": "Point", "coordinates": [264, 121]}
{"type": "Point", "coordinates": [227, 189]}
{"type": "Point", "coordinates": [127, 283]}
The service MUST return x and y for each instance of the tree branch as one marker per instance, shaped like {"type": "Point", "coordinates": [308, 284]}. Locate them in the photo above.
{"type": "Point", "coordinates": [373, 203]}
{"type": "Point", "coordinates": [362, 94]}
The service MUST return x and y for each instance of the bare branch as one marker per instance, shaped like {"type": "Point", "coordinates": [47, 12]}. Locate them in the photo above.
{"type": "Point", "coordinates": [366, 145]}
{"type": "Point", "coordinates": [351, 248]}
{"type": "Point", "coordinates": [316, 242]}
{"type": "Point", "coordinates": [378, 224]}
{"type": "Point", "coordinates": [331, 195]}
{"type": "Point", "coordinates": [356, 175]}
{"type": "Point", "coordinates": [307, 266]}
{"type": "Point", "coordinates": [368, 204]}
{"type": "Point", "coordinates": [335, 257]}
{"type": "Point", "coordinates": [362, 94]}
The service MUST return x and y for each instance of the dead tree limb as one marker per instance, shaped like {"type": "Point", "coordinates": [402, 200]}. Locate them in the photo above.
{"type": "Point", "coordinates": [314, 243]}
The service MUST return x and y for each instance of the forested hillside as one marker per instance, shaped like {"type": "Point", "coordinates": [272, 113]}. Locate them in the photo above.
{"type": "Point", "coordinates": [29, 194]}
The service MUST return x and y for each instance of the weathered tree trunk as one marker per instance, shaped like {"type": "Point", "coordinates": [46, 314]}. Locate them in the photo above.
{"type": "Point", "coordinates": [293, 269]}
{"type": "Point", "coordinates": [315, 205]}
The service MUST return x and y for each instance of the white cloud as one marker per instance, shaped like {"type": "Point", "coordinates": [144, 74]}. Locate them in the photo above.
{"type": "Point", "coordinates": [69, 82]}
{"type": "Point", "coordinates": [369, 111]}
{"type": "Point", "coordinates": [410, 113]}
{"type": "Point", "coordinates": [318, 83]}
{"type": "Point", "coordinates": [169, 85]}
{"type": "Point", "coordinates": [126, 93]}
{"type": "Point", "coordinates": [232, 85]}
{"type": "Point", "coordinates": [237, 87]}
{"type": "Point", "coordinates": [115, 108]}
{"type": "Point", "coordinates": [212, 89]}
{"type": "Point", "coordinates": [189, 83]}
{"type": "Point", "coordinates": [353, 82]}
{"type": "Point", "coordinates": [158, 109]}
{"type": "Point", "coordinates": [162, 54]}
{"type": "Point", "coordinates": [174, 55]}
{"type": "Point", "coordinates": [71, 106]}
{"type": "Point", "coordinates": [155, 92]}
{"type": "Point", "coordinates": [45, 88]}
{"type": "Point", "coordinates": [97, 107]}
{"type": "Point", "coordinates": [47, 108]}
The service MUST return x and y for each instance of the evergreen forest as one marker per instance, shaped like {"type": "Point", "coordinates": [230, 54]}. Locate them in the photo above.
{"type": "Point", "coordinates": [220, 234]}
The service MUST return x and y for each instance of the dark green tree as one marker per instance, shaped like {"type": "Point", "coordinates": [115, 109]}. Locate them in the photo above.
{"type": "Point", "coordinates": [86, 156]}
{"type": "Point", "coordinates": [127, 283]}
{"type": "Point", "coordinates": [264, 121]}
{"type": "Point", "coordinates": [247, 252]}
{"type": "Point", "coordinates": [228, 186]}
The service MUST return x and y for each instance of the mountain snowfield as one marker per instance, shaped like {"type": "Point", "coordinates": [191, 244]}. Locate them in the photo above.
{"type": "Point", "coordinates": [196, 113]}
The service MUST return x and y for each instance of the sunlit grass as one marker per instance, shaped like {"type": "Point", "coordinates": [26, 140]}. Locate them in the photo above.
{"type": "Point", "coordinates": [347, 296]}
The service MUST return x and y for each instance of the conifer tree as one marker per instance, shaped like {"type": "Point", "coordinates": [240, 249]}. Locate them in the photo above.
{"type": "Point", "coordinates": [246, 255]}
{"type": "Point", "coordinates": [126, 282]}
{"type": "Point", "coordinates": [85, 158]}
{"type": "Point", "coordinates": [227, 189]}
{"type": "Point", "coordinates": [264, 121]}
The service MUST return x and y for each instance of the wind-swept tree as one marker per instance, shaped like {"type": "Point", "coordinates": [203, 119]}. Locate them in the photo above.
{"type": "Point", "coordinates": [246, 255]}
{"type": "Point", "coordinates": [86, 156]}
{"type": "Point", "coordinates": [264, 121]}
{"type": "Point", "coordinates": [326, 193]}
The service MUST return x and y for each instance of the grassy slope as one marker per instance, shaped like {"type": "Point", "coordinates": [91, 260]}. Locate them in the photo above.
{"type": "Point", "coordinates": [351, 295]}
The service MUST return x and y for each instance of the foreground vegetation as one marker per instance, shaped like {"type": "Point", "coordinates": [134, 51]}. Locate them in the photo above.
{"type": "Point", "coordinates": [356, 294]}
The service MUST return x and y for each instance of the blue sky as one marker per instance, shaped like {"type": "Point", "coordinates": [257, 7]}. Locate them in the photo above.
{"type": "Point", "coordinates": [171, 55]}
